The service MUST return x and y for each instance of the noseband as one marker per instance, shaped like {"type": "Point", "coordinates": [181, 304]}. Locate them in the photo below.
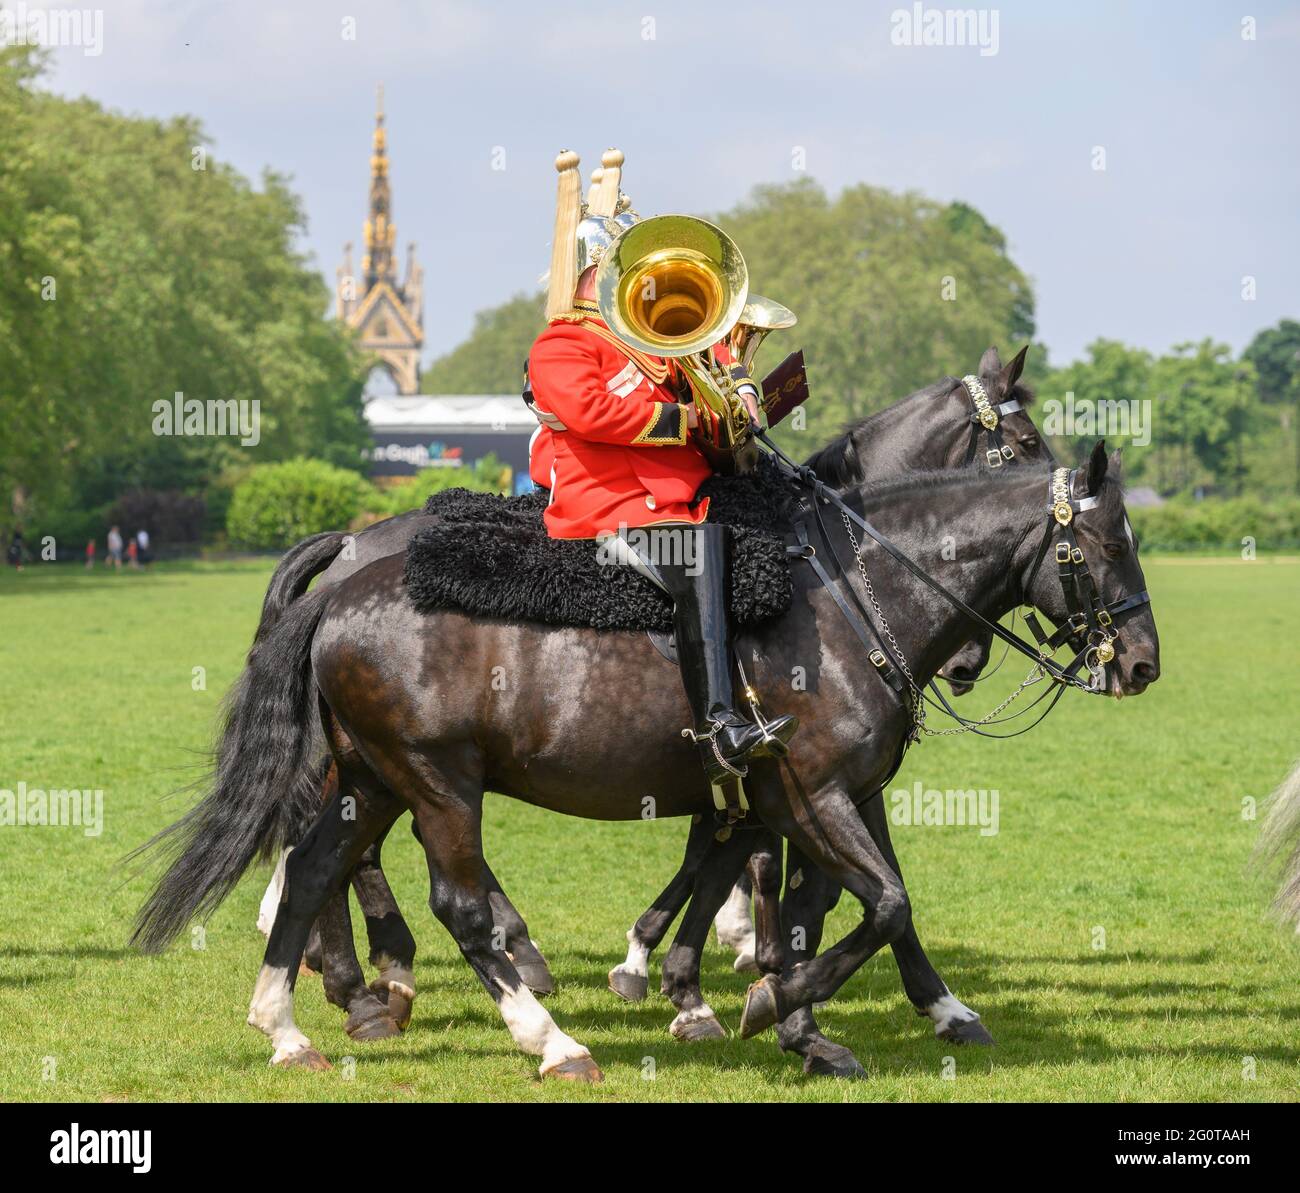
{"type": "Point", "coordinates": [986, 420]}
{"type": "Point", "coordinates": [1089, 625]}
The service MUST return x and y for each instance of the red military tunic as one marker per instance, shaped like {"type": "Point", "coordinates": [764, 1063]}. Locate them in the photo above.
{"type": "Point", "coordinates": [613, 447]}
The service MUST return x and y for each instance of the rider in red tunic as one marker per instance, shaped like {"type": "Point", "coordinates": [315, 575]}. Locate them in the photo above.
{"type": "Point", "coordinates": [615, 451]}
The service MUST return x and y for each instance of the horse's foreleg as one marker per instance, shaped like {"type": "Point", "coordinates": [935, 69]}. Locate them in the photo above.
{"type": "Point", "coordinates": [715, 877]}
{"type": "Point", "coordinates": [735, 925]}
{"type": "Point", "coordinates": [315, 869]}
{"type": "Point", "coordinates": [927, 991]}
{"type": "Point", "coordinates": [809, 896]}
{"type": "Point", "coordinates": [835, 839]}
{"type": "Point", "coordinates": [631, 979]}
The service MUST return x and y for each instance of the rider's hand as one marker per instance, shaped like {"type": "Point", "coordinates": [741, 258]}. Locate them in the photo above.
{"type": "Point", "coordinates": [692, 417]}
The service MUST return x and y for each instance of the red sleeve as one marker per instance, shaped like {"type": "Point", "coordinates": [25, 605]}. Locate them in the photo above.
{"type": "Point", "coordinates": [569, 381]}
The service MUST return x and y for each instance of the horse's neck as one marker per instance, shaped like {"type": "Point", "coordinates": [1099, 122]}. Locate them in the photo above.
{"type": "Point", "coordinates": [983, 530]}
{"type": "Point", "coordinates": [913, 433]}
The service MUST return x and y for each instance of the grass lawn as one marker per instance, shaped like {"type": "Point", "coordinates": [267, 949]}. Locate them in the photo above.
{"type": "Point", "coordinates": [1121, 825]}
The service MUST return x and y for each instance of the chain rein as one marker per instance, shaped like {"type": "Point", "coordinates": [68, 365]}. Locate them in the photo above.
{"type": "Point", "coordinates": [916, 694]}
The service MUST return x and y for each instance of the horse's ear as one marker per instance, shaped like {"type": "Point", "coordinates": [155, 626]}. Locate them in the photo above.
{"type": "Point", "coordinates": [1097, 463]}
{"type": "Point", "coordinates": [1011, 374]}
{"type": "Point", "coordinates": [1115, 468]}
{"type": "Point", "coordinates": [990, 362]}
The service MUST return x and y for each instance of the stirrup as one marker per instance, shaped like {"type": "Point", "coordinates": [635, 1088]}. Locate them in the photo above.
{"type": "Point", "coordinates": [712, 738]}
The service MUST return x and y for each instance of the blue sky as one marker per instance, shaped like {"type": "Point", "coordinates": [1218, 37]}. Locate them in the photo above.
{"type": "Point", "coordinates": [1199, 127]}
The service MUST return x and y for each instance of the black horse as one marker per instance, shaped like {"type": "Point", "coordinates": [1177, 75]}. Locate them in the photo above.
{"type": "Point", "coordinates": [413, 722]}
{"type": "Point", "coordinates": [934, 428]}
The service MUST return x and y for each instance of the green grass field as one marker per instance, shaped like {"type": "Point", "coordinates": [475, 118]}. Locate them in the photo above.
{"type": "Point", "coordinates": [1117, 818]}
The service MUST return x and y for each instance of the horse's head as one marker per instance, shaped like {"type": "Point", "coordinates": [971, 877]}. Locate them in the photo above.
{"type": "Point", "coordinates": [1103, 534]}
{"type": "Point", "coordinates": [1010, 402]}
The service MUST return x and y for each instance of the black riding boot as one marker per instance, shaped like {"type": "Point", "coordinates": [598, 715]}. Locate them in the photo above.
{"type": "Point", "coordinates": [697, 582]}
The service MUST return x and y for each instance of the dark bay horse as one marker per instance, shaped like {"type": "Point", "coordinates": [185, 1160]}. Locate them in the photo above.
{"type": "Point", "coordinates": [933, 428]}
{"type": "Point", "coordinates": [414, 722]}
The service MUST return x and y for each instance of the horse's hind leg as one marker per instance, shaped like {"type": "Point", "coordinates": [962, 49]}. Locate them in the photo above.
{"type": "Point", "coordinates": [631, 978]}
{"type": "Point", "coordinates": [451, 830]}
{"type": "Point", "coordinates": [519, 943]}
{"type": "Point", "coordinates": [929, 994]}
{"type": "Point", "coordinates": [392, 947]}
{"type": "Point", "coordinates": [525, 954]}
{"type": "Point", "coordinates": [315, 869]}
{"type": "Point", "coordinates": [345, 984]}
{"type": "Point", "coordinates": [715, 878]}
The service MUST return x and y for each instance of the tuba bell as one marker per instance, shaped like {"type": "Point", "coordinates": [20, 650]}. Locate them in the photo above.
{"type": "Point", "coordinates": [673, 286]}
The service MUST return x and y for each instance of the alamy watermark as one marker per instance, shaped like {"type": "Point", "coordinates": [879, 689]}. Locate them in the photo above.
{"type": "Point", "coordinates": [921, 25]}
{"type": "Point", "coordinates": [658, 546]}
{"type": "Point", "coordinates": [53, 28]}
{"type": "Point", "coordinates": [1107, 417]}
{"type": "Point", "coordinates": [969, 807]}
{"type": "Point", "coordinates": [35, 807]}
{"type": "Point", "coordinates": [192, 417]}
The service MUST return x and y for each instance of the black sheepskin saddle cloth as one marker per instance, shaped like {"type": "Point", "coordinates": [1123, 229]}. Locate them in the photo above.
{"type": "Point", "coordinates": [491, 556]}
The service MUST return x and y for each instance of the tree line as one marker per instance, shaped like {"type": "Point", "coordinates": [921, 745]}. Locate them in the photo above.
{"type": "Point", "coordinates": [135, 266]}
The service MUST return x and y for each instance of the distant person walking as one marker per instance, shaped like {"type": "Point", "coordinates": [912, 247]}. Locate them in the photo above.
{"type": "Point", "coordinates": [114, 547]}
{"type": "Point", "coordinates": [133, 554]}
{"type": "Point", "coordinates": [142, 541]}
{"type": "Point", "coordinates": [14, 555]}
{"type": "Point", "coordinates": [90, 554]}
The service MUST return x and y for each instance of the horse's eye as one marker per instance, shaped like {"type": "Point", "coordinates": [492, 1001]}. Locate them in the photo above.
{"type": "Point", "coordinates": [1029, 441]}
{"type": "Point", "coordinates": [1114, 550]}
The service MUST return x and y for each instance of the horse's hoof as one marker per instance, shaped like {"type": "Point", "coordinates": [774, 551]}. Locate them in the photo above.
{"type": "Point", "coordinates": [305, 1058]}
{"type": "Point", "coordinates": [745, 963]}
{"type": "Point", "coordinates": [580, 1068]}
{"type": "Point", "coordinates": [630, 986]}
{"type": "Point", "coordinates": [832, 1060]}
{"type": "Point", "coordinates": [374, 1026]}
{"type": "Point", "coordinates": [966, 1031]}
{"type": "Point", "coordinates": [536, 976]}
{"type": "Point", "coordinates": [397, 997]}
{"type": "Point", "coordinates": [692, 1026]}
{"type": "Point", "coordinates": [760, 1007]}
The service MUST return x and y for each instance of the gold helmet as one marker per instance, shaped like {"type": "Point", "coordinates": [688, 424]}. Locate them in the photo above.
{"type": "Point", "coordinates": [584, 230]}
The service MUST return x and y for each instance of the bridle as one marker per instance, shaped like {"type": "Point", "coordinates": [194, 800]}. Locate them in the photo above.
{"type": "Point", "coordinates": [1088, 628]}
{"type": "Point", "coordinates": [986, 420]}
{"type": "Point", "coordinates": [1089, 625]}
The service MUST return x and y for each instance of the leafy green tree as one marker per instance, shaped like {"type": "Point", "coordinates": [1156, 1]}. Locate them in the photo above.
{"type": "Point", "coordinates": [491, 360]}
{"type": "Point", "coordinates": [134, 265]}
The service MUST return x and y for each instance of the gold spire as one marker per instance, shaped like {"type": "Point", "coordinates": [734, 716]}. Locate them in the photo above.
{"type": "Point", "coordinates": [378, 263]}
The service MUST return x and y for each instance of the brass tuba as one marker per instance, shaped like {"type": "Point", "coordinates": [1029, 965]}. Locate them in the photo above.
{"type": "Point", "coordinates": [673, 286]}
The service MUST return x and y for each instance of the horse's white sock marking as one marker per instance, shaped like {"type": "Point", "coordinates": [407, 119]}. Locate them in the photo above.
{"type": "Point", "coordinates": [271, 1011]}
{"type": "Point", "coordinates": [535, 1031]}
{"type": "Point", "coordinates": [395, 976]}
{"type": "Point", "coordinates": [638, 957]}
{"type": "Point", "coordinates": [735, 925]}
{"type": "Point", "coordinates": [271, 899]}
{"type": "Point", "coordinates": [947, 1011]}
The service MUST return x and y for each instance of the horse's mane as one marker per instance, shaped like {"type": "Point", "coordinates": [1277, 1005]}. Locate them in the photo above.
{"type": "Point", "coordinates": [837, 463]}
{"type": "Point", "coordinates": [914, 481]}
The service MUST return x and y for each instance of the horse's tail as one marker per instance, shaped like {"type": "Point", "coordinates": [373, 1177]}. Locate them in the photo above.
{"type": "Point", "coordinates": [299, 567]}
{"type": "Point", "coordinates": [263, 791]}
{"type": "Point", "coordinates": [1279, 845]}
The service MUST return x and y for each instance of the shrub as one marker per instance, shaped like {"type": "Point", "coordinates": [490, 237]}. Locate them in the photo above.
{"type": "Point", "coordinates": [169, 517]}
{"type": "Point", "coordinates": [276, 505]}
{"type": "Point", "coordinates": [1219, 525]}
